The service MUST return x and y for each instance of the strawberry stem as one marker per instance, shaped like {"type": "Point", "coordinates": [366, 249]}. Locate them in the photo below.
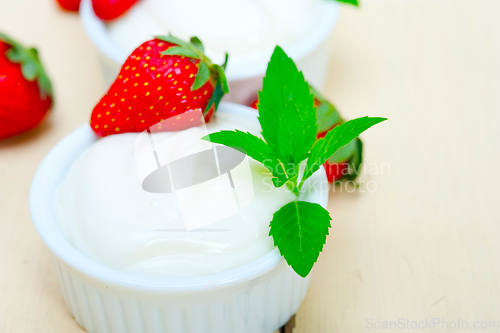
{"type": "Point", "coordinates": [31, 66]}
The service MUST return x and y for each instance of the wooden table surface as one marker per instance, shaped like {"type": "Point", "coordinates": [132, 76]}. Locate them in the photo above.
{"type": "Point", "coordinates": [418, 240]}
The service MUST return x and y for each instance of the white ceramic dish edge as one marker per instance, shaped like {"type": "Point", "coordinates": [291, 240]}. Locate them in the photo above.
{"type": "Point", "coordinates": [311, 54]}
{"type": "Point", "coordinates": [257, 298]}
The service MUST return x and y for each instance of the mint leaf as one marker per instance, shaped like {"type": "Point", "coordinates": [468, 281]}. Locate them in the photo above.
{"type": "Point", "coordinates": [291, 136]}
{"type": "Point", "coordinates": [284, 82]}
{"type": "Point", "coordinates": [254, 147]}
{"type": "Point", "coordinates": [338, 137]}
{"type": "Point", "coordinates": [202, 76]}
{"type": "Point", "coordinates": [180, 51]}
{"type": "Point", "coordinates": [299, 230]}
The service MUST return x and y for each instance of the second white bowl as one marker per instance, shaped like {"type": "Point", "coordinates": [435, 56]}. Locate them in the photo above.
{"type": "Point", "coordinates": [311, 54]}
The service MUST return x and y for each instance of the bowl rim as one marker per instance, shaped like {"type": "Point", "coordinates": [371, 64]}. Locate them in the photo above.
{"type": "Point", "coordinates": [56, 165]}
{"type": "Point", "coordinates": [96, 30]}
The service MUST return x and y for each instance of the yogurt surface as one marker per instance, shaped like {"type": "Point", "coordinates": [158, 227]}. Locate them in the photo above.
{"type": "Point", "coordinates": [247, 29]}
{"type": "Point", "coordinates": [103, 211]}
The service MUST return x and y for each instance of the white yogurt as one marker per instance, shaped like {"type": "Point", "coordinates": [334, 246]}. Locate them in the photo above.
{"type": "Point", "coordinates": [105, 214]}
{"type": "Point", "coordinates": [247, 29]}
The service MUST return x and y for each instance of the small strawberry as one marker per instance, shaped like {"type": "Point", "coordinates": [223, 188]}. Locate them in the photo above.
{"type": "Point", "coordinates": [255, 104]}
{"type": "Point", "coordinates": [70, 5]}
{"type": "Point", "coordinates": [162, 78]}
{"type": "Point", "coordinates": [25, 89]}
{"type": "Point", "coordinates": [345, 163]}
{"type": "Point", "coordinates": [111, 9]}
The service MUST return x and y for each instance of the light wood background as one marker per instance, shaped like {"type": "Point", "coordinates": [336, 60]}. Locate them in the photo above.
{"type": "Point", "coordinates": [418, 240]}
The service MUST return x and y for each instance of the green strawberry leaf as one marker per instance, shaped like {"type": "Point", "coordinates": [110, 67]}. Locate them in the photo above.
{"type": "Point", "coordinates": [221, 86]}
{"type": "Point", "coordinates": [180, 51]}
{"type": "Point", "coordinates": [327, 115]}
{"type": "Point", "coordinates": [253, 146]}
{"type": "Point", "coordinates": [299, 230]}
{"type": "Point", "coordinates": [197, 43]}
{"type": "Point", "coordinates": [284, 82]}
{"type": "Point", "coordinates": [338, 137]}
{"type": "Point", "coordinates": [31, 67]}
{"type": "Point", "coordinates": [355, 161]}
{"type": "Point", "coordinates": [216, 97]}
{"type": "Point", "coordinates": [344, 153]}
{"type": "Point", "coordinates": [202, 76]}
{"type": "Point", "coordinates": [224, 65]}
{"type": "Point", "coordinates": [8, 40]}
{"type": "Point", "coordinates": [174, 40]}
{"type": "Point", "coordinates": [30, 71]}
{"type": "Point", "coordinates": [222, 76]}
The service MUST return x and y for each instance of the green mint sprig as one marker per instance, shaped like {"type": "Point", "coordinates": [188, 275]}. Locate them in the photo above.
{"type": "Point", "coordinates": [291, 152]}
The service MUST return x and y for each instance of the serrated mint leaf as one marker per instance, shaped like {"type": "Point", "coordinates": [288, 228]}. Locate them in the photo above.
{"type": "Point", "coordinates": [202, 76]}
{"type": "Point", "coordinates": [284, 82]}
{"type": "Point", "coordinates": [299, 230]}
{"type": "Point", "coordinates": [291, 135]}
{"type": "Point", "coordinates": [254, 147]}
{"type": "Point", "coordinates": [338, 137]}
{"type": "Point", "coordinates": [180, 51]}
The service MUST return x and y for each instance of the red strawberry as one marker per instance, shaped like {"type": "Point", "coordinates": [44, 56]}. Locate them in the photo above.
{"type": "Point", "coordinates": [25, 89]}
{"type": "Point", "coordinates": [346, 161]}
{"type": "Point", "coordinates": [111, 9]}
{"type": "Point", "coordinates": [335, 171]}
{"type": "Point", "coordinates": [71, 5]}
{"type": "Point", "coordinates": [255, 104]}
{"type": "Point", "coordinates": [162, 78]}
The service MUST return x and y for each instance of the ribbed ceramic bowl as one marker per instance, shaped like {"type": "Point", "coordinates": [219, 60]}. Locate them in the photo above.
{"type": "Point", "coordinates": [258, 297]}
{"type": "Point", "coordinates": [311, 54]}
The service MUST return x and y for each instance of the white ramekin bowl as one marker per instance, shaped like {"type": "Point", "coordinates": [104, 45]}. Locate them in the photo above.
{"type": "Point", "coordinates": [311, 54]}
{"type": "Point", "coordinates": [258, 297]}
